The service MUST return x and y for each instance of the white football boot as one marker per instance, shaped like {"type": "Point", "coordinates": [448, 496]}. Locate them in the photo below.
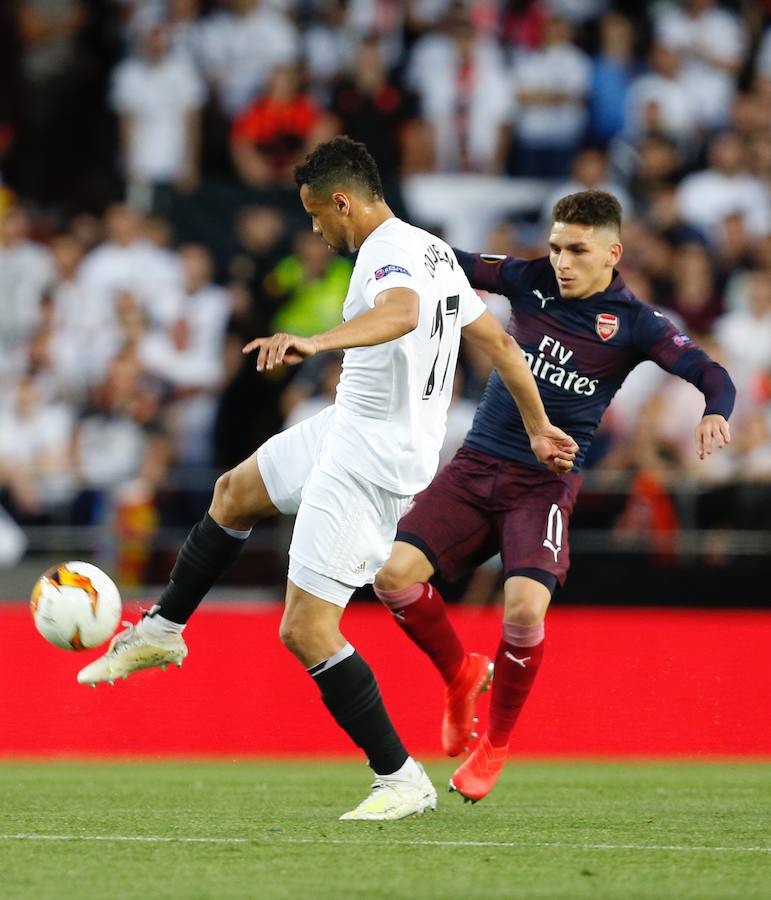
{"type": "Point", "coordinates": [395, 797]}
{"type": "Point", "coordinates": [132, 650]}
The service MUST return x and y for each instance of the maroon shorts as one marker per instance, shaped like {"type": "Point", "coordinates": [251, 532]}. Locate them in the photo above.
{"type": "Point", "coordinates": [479, 505]}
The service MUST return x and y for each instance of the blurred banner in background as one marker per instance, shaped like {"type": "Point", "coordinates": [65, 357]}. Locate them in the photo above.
{"type": "Point", "coordinates": [681, 691]}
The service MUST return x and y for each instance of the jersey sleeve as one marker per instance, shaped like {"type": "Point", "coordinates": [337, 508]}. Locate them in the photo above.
{"type": "Point", "coordinates": [496, 274]}
{"type": "Point", "coordinates": [384, 266]}
{"type": "Point", "coordinates": [471, 307]}
{"type": "Point", "coordinates": [658, 339]}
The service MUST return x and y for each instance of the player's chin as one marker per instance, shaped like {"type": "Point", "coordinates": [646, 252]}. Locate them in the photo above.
{"type": "Point", "coordinates": [335, 246]}
{"type": "Point", "coordinates": [569, 291]}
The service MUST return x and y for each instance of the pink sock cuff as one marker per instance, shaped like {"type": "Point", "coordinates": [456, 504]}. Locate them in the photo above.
{"type": "Point", "coordinates": [401, 598]}
{"type": "Point", "coordinates": [522, 635]}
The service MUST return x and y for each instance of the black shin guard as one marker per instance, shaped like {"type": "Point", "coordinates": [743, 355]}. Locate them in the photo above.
{"type": "Point", "coordinates": [350, 693]}
{"type": "Point", "coordinates": [206, 553]}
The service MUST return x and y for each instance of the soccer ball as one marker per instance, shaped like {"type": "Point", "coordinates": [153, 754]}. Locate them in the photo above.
{"type": "Point", "coordinates": [75, 606]}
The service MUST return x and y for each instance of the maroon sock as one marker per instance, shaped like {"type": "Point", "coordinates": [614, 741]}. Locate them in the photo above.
{"type": "Point", "coordinates": [420, 611]}
{"type": "Point", "coordinates": [516, 665]}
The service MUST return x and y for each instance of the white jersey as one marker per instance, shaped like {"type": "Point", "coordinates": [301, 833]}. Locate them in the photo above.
{"type": "Point", "coordinates": [392, 399]}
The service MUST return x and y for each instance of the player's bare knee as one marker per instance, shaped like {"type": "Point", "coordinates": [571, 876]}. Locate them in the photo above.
{"type": "Point", "coordinates": [393, 577]}
{"type": "Point", "coordinates": [295, 632]}
{"type": "Point", "coordinates": [307, 641]}
{"type": "Point", "coordinates": [291, 636]}
{"type": "Point", "coordinates": [526, 614]}
{"type": "Point", "coordinates": [227, 507]}
{"type": "Point", "coordinates": [529, 610]}
{"type": "Point", "coordinates": [405, 567]}
{"type": "Point", "coordinates": [222, 501]}
{"type": "Point", "coordinates": [527, 601]}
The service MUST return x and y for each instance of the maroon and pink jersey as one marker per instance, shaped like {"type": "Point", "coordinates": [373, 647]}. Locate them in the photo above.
{"type": "Point", "coordinates": [580, 351]}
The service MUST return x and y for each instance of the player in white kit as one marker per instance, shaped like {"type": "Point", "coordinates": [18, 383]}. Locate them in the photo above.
{"type": "Point", "coordinates": [350, 471]}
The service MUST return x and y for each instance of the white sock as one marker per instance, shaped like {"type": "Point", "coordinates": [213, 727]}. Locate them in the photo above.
{"type": "Point", "coordinates": [158, 627]}
{"type": "Point", "coordinates": [410, 771]}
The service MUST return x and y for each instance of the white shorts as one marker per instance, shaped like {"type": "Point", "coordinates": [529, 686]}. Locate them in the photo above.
{"type": "Point", "coordinates": [345, 525]}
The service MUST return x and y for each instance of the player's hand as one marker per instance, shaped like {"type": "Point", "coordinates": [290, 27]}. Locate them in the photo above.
{"type": "Point", "coordinates": [554, 448]}
{"type": "Point", "coordinates": [711, 429]}
{"type": "Point", "coordinates": [281, 349]}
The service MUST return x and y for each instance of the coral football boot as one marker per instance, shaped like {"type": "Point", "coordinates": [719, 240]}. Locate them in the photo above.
{"type": "Point", "coordinates": [479, 773]}
{"type": "Point", "coordinates": [460, 699]}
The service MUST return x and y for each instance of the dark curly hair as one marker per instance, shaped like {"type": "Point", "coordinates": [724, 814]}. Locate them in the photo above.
{"type": "Point", "coordinates": [588, 208]}
{"type": "Point", "coordinates": [337, 163]}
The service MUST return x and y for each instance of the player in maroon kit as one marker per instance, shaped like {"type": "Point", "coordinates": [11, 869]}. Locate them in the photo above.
{"type": "Point", "coordinates": [582, 331]}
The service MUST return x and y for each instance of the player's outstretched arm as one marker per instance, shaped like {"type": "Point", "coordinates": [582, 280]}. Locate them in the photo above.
{"type": "Point", "coordinates": [660, 340]}
{"type": "Point", "coordinates": [491, 272]}
{"type": "Point", "coordinates": [394, 314]}
{"type": "Point", "coordinates": [713, 429]}
{"type": "Point", "coordinates": [551, 446]}
{"type": "Point", "coordinates": [281, 350]}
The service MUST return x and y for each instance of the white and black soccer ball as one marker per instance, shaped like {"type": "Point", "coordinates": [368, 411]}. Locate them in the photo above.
{"type": "Point", "coordinates": [75, 606]}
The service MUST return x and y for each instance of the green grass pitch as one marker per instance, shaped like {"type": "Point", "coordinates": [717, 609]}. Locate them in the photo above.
{"type": "Point", "coordinates": [269, 830]}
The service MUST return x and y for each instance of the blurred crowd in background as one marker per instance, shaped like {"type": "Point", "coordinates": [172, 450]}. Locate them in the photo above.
{"type": "Point", "coordinates": [149, 223]}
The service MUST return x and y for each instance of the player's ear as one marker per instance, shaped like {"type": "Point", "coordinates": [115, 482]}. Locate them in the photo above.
{"type": "Point", "coordinates": [342, 202]}
{"type": "Point", "coordinates": [614, 253]}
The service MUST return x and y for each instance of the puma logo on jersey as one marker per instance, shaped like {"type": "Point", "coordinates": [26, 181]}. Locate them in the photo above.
{"type": "Point", "coordinates": [542, 298]}
{"type": "Point", "coordinates": [517, 660]}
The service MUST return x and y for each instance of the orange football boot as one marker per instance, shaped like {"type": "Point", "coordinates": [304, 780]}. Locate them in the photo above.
{"type": "Point", "coordinates": [478, 774]}
{"type": "Point", "coordinates": [460, 700]}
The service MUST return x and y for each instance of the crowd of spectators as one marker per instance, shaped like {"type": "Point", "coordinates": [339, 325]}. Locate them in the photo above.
{"type": "Point", "coordinates": [149, 225]}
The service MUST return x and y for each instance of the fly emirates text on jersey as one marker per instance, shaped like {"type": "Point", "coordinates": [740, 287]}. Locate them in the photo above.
{"type": "Point", "coordinates": [549, 365]}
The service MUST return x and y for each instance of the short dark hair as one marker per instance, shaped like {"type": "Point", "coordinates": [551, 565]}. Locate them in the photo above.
{"type": "Point", "coordinates": [341, 161]}
{"type": "Point", "coordinates": [588, 208]}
